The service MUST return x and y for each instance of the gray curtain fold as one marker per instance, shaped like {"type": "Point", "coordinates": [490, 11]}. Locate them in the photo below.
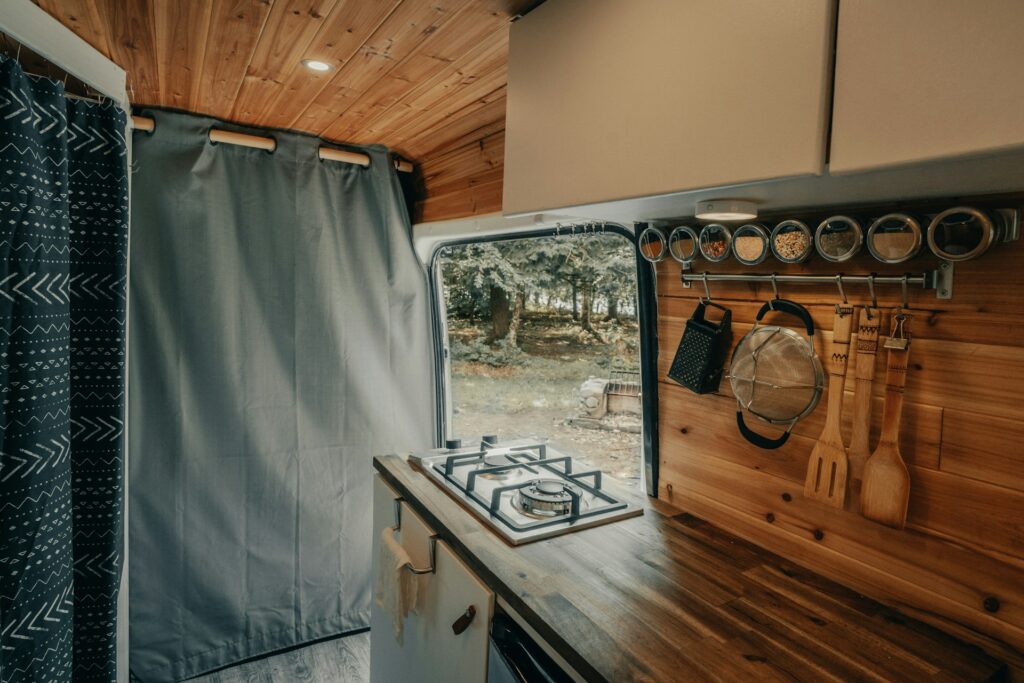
{"type": "Point", "coordinates": [279, 338]}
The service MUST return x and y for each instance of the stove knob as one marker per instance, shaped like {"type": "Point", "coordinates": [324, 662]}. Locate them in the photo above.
{"type": "Point", "coordinates": [490, 439]}
{"type": "Point", "coordinates": [453, 444]}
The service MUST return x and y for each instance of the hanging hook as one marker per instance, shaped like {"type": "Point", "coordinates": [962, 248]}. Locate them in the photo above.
{"type": "Point", "coordinates": [839, 284]}
{"type": "Point", "coordinates": [707, 289]}
{"type": "Point", "coordinates": [903, 291]}
{"type": "Point", "coordinates": [775, 291]}
{"type": "Point", "coordinates": [871, 289]}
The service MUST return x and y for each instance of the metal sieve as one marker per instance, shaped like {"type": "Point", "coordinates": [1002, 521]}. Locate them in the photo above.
{"type": "Point", "coordinates": [775, 373]}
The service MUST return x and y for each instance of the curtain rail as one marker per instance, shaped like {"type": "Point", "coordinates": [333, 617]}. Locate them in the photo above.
{"type": "Point", "coordinates": [147, 124]}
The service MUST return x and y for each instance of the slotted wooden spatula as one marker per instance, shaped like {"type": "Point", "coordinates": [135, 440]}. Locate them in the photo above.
{"type": "Point", "coordinates": [864, 374]}
{"type": "Point", "coordinates": [827, 467]}
{"type": "Point", "coordinates": [886, 488]}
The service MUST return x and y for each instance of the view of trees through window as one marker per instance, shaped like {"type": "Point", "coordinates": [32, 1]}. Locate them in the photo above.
{"type": "Point", "coordinates": [544, 339]}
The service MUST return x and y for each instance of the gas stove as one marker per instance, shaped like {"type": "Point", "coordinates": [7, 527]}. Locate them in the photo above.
{"type": "Point", "coordinates": [525, 490]}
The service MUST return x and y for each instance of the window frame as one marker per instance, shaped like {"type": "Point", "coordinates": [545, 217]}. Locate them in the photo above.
{"type": "Point", "coordinates": [647, 324]}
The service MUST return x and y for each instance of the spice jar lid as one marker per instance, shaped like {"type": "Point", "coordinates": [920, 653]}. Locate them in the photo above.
{"type": "Point", "coordinates": [894, 238]}
{"type": "Point", "coordinates": [651, 245]}
{"type": "Point", "coordinates": [682, 244]}
{"type": "Point", "coordinates": [715, 240]}
{"type": "Point", "coordinates": [791, 241]}
{"type": "Point", "coordinates": [838, 238]}
{"type": "Point", "coordinates": [961, 233]}
{"type": "Point", "coordinates": [750, 244]}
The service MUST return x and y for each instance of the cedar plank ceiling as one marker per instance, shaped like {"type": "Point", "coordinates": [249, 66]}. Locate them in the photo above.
{"type": "Point", "coordinates": [425, 77]}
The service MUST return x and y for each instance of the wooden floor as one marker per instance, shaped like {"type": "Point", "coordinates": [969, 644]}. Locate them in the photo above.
{"type": "Point", "coordinates": [341, 660]}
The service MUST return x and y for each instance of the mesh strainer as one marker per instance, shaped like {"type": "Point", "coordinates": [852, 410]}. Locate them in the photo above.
{"type": "Point", "coordinates": [775, 373]}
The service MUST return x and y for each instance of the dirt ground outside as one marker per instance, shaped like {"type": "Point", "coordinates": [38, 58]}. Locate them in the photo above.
{"type": "Point", "coordinates": [534, 395]}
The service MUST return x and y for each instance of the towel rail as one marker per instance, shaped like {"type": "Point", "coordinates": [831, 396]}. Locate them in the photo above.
{"type": "Point", "coordinates": [433, 543]}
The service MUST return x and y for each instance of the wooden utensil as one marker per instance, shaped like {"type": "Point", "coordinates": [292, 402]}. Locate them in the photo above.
{"type": "Point", "coordinates": [886, 489]}
{"type": "Point", "coordinates": [827, 467]}
{"type": "Point", "coordinates": [863, 374]}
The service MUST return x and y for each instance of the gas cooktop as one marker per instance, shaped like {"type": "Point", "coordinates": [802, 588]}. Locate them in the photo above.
{"type": "Point", "coordinates": [525, 490]}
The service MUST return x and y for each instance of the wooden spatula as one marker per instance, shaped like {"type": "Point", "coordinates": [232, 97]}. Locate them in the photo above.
{"type": "Point", "coordinates": [886, 489]}
{"type": "Point", "coordinates": [827, 467]}
{"type": "Point", "coordinates": [863, 376]}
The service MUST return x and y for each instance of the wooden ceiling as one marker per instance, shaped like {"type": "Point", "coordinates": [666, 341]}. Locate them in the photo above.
{"type": "Point", "coordinates": [426, 78]}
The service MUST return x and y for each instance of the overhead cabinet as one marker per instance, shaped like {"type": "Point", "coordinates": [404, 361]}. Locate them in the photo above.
{"type": "Point", "coordinates": [638, 110]}
{"type": "Point", "coordinates": [920, 80]}
{"type": "Point", "coordinates": [610, 99]}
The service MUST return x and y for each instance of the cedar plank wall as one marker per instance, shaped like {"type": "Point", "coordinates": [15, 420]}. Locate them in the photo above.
{"type": "Point", "coordinates": [465, 178]}
{"type": "Point", "coordinates": [427, 78]}
{"type": "Point", "coordinates": [962, 437]}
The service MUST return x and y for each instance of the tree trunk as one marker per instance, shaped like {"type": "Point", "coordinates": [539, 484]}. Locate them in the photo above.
{"type": "Point", "coordinates": [575, 302]}
{"type": "Point", "coordinates": [517, 317]}
{"type": "Point", "coordinates": [500, 313]}
{"type": "Point", "coordinates": [586, 313]}
{"type": "Point", "coordinates": [613, 308]}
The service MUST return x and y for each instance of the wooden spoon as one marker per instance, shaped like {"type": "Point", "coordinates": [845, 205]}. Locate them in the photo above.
{"type": "Point", "coordinates": [886, 490]}
{"type": "Point", "coordinates": [864, 375]}
{"type": "Point", "coordinates": [827, 467]}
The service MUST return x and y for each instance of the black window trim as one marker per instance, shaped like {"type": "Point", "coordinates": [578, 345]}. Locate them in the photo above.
{"type": "Point", "coordinates": [647, 322]}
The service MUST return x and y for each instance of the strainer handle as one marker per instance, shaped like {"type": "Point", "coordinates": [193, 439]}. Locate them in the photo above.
{"type": "Point", "coordinates": [758, 440]}
{"type": "Point", "coordinates": [791, 307]}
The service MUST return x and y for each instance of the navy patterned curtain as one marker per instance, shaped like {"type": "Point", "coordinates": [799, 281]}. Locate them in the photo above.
{"type": "Point", "coordinates": [63, 256]}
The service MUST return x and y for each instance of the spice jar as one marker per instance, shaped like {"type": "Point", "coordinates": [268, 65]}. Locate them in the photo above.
{"type": "Point", "coordinates": [895, 238]}
{"type": "Point", "coordinates": [838, 238]}
{"type": "Point", "coordinates": [682, 244]}
{"type": "Point", "coordinates": [791, 241]}
{"type": "Point", "coordinates": [750, 244]}
{"type": "Point", "coordinates": [715, 240]}
{"type": "Point", "coordinates": [962, 233]}
{"type": "Point", "coordinates": [651, 244]}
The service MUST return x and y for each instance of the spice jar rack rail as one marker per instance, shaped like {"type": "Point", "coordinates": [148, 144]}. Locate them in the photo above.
{"type": "Point", "coordinates": [940, 280]}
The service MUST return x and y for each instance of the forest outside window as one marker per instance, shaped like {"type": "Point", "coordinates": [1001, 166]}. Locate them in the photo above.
{"type": "Point", "coordinates": [543, 342]}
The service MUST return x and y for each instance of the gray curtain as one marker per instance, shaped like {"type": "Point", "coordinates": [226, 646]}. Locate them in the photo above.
{"type": "Point", "coordinates": [278, 339]}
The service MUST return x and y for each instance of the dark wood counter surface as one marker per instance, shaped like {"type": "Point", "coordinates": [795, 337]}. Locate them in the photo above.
{"type": "Point", "coordinates": [668, 597]}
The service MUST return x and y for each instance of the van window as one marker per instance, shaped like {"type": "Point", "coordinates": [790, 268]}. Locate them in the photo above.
{"type": "Point", "coordinates": [543, 342]}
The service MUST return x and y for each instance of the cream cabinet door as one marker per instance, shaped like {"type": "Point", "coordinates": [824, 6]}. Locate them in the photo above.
{"type": "Point", "coordinates": [610, 99]}
{"type": "Point", "coordinates": [925, 79]}
{"type": "Point", "coordinates": [430, 652]}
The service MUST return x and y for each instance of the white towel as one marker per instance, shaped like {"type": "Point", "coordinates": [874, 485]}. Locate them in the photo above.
{"type": "Point", "coordinates": [395, 590]}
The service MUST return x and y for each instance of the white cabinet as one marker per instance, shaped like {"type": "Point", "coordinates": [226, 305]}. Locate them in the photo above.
{"type": "Point", "coordinates": [926, 79]}
{"type": "Point", "coordinates": [430, 651]}
{"type": "Point", "coordinates": [609, 99]}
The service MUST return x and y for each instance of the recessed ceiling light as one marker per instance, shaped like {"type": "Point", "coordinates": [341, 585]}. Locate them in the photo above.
{"type": "Point", "coordinates": [726, 210]}
{"type": "Point", "coordinates": [316, 65]}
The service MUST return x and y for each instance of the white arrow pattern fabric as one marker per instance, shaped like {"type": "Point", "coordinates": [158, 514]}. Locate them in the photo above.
{"type": "Point", "coordinates": [63, 255]}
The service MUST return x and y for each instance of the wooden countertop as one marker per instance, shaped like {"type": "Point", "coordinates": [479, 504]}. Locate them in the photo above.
{"type": "Point", "coordinates": [669, 597]}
